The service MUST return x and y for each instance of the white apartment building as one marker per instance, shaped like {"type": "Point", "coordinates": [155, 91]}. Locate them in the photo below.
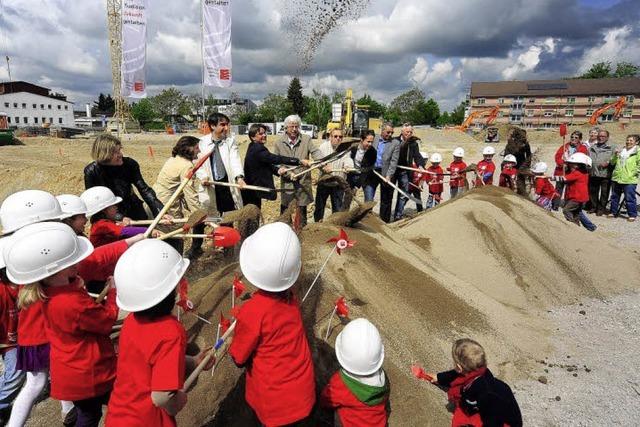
{"type": "Point", "coordinates": [27, 104]}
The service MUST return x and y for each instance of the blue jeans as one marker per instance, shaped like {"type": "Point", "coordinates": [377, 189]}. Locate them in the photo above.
{"type": "Point", "coordinates": [586, 223]}
{"type": "Point", "coordinates": [402, 181]}
{"type": "Point", "coordinates": [456, 191]}
{"type": "Point", "coordinates": [433, 201]}
{"type": "Point", "coordinates": [11, 380]}
{"type": "Point", "coordinates": [369, 192]}
{"type": "Point", "coordinates": [324, 192]}
{"type": "Point", "coordinates": [369, 189]}
{"type": "Point", "coordinates": [629, 197]}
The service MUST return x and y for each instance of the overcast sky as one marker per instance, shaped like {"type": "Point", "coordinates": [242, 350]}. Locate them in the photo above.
{"type": "Point", "coordinates": [441, 46]}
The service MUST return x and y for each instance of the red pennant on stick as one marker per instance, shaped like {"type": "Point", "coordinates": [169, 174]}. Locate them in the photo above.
{"type": "Point", "coordinates": [238, 286]}
{"type": "Point", "coordinates": [342, 241]}
{"type": "Point", "coordinates": [224, 323]}
{"type": "Point", "coordinates": [420, 374]}
{"type": "Point", "coordinates": [183, 295]}
{"type": "Point", "coordinates": [150, 151]}
{"type": "Point", "coordinates": [342, 309]}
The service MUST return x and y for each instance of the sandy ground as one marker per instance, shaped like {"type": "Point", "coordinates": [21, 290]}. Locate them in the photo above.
{"type": "Point", "coordinates": [490, 265]}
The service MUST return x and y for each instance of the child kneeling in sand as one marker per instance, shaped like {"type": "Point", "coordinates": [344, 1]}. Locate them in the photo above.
{"type": "Point", "coordinates": [359, 391]}
{"type": "Point", "coordinates": [544, 190]}
{"type": "Point", "coordinates": [480, 399]}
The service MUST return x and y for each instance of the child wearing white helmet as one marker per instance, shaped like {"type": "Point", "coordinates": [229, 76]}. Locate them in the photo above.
{"type": "Point", "coordinates": [102, 210]}
{"type": "Point", "coordinates": [509, 172]}
{"type": "Point", "coordinates": [11, 379]}
{"type": "Point", "coordinates": [544, 190]}
{"type": "Point", "coordinates": [359, 391]}
{"type": "Point", "coordinates": [270, 340]}
{"type": "Point", "coordinates": [75, 212]}
{"type": "Point", "coordinates": [436, 176]}
{"type": "Point", "coordinates": [28, 207]}
{"type": "Point", "coordinates": [458, 182]}
{"type": "Point", "coordinates": [486, 168]}
{"type": "Point", "coordinates": [576, 192]}
{"type": "Point", "coordinates": [44, 258]}
{"type": "Point", "coordinates": [152, 363]}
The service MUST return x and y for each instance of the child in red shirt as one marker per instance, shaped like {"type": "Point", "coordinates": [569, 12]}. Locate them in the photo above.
{"type": "Point", "coordinates": [458, 182]}
{"type": "Point", "coordinates": [270, 339]}
{"type": "Point", "coordinates": [544, 190]}
{"type": "Point", "coordinates": [576, 192]}
{"type": "Point", "coordinates": [509, 172]}
{"type": "Point", "coordinates": [435, 176]}
{"type": "Point", "coordinates": [82, 358]}
{"type": "Point", "coordinates": [485, 168]}
{"type": "Point", "coordinates": [415, 188]}
{"type": "Point", "coordinates": [152, 361]}
{"type": "Point", "coordinates": [359, 391]}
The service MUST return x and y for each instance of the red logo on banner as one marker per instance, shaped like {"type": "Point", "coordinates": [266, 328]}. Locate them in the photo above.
{"type": "Point", "coordinates": [138, 86]}
{"type": "Point", "coordinates": [225, 74]}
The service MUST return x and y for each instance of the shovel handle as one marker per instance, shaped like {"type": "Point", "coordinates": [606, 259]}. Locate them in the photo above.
{"type": "Point", "coordinates": [212, 352]}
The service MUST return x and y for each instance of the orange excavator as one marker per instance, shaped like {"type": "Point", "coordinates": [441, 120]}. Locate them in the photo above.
{"type": "Point", "coordinates": [491, 114]}
{"type": "Point", "coordinates": [617, 106]}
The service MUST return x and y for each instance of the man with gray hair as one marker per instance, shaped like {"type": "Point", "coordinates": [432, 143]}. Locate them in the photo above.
{"type": "Point", "coordinates": [294, 144]}
{"type": "Point", "coordinates": [388, 152]}
{"type": "Point", "coordinates": [600, 175]}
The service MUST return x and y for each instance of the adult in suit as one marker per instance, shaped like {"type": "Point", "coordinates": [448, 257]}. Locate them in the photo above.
{"type": "Point", "coordinates": [388, 153]}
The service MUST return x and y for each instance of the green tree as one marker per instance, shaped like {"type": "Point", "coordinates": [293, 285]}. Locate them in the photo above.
{"type": "Point", "coordinates": [413, 107]}
{"type": "Point", "coordinates": [168, 102]}
{"type": "Point", "coordinates": [318, 108]}
{"type": "Point", "coordinates": [294, 95]}
{"type": "Point", "coordinates": [599, 70]}
{"type": "Point", "coordinates": [274, 108]}
{"type": "Point", "coordinates": [626, 69]}
{"type": "Point", "coordinates": [143, 111]}
{"type": "Point", "coordinates": [457, 115]}
{"type": "Point", "coordinates": [245, 117]}
{"type": "Point", "coordinates": [444, 119]}
{"type": "Point", "coordinates": [376, 109]}
{"type": "Point", "coordinates": [103, 105]}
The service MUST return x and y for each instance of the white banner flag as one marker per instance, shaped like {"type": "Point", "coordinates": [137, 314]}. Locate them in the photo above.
{"type": "Point", "coordinates": [216, 42]}
{"type": "Point", "coordinates": [134, 48]}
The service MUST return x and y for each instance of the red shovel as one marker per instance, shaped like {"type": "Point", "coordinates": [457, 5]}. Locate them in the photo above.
{"type": "Point", "coordinates": [225, 237]}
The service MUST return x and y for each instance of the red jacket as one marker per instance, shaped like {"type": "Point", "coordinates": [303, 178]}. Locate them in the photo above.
{"type": "Point", "coordinates": [102, 261]}
{"type": "Point", "coordinates": [152, 358]}
{"type": "Point", "coordinates": [485, 170]}
{"type": "Point", "coordinates": [270, 340]}
{"type": "Point", "coordinates": [351, 411]}
{"type": "Point", "coordinates": [8, 315]}
{"type": "Point", "coordinates": [577, 188]}
{"type": "Point", "coordinates": [544, 188]}
{"type": "Point", "coordinates": [566, 148]}
{"type": "Point", "coordinates": [418, 177]}
{"type": "Point", "coordinates": [104, 231]}
{"type": "Point", "coordinates": [83, 362]}
{"type": "Point", "coordinates": [456, 167]}
{"type": "Point", "coordinates": [31, 326]}
{"type": "Point", "coordinates": [508, 177]}
{"type": "Point", "coordinates": [435, 181]}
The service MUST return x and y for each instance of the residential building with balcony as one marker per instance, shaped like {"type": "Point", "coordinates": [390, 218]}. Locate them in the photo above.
{"type": "Point", "coordinates": [549, 103]}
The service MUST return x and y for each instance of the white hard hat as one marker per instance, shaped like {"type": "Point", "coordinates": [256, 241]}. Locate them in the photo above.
{"type": "Point", "coordinates": [99, 198]}
{"type": "Point", "coordinates": [510, 158]}
{"type": "Point", "coordinates": [271, 257]}
{"type": "Point", "coordinates": [40, 250]}
{"type": "Point", "coordinates": [359, 347]}
{"type": "Point", "coordinates": [488, 151]}
{"type": "Point", "coordinates": [71, 205]}
{"type": "Point", "coordinates": [424, 154]}
{"type": "Point", "coordinates": [540, 167]}
{"type": "Point", "coordinates": [4, 241]}
{"type": "Point", "coordinates": [146, 273]}
{"type": "Point", "coordinates": [28, 207]}
{"type": "Point", "coordinates": [458, 152]}
{"type": "Point", "coordinates": [436, 158]}
{"type": "Point", "coordinates": [580, 158]}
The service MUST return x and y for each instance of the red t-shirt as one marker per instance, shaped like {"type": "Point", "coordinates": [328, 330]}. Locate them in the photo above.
{"type": "Point", "coordinates": [8, 315]}
{"type": "Point", "coordinates": [544, 188]}
{"type": "Point", "coordinates": [31, 326]}
{"type": "Point", "coordinates": [566, 148]}
{"type": "Point", "coordinates": [83, 361]}
{"type": "Point", "coordinates": [577, 186]}
{"type": "Point", "coordinates": [102, 261]}
{"type": "Point", "coordinates": [351, 411]}
{"type": "Point", "coordinates": [435, 181]}
{"type": "Point", "coordinates": [152, 358]}
{"type": "Point", "coordinates": [455, 168]}
{"type": "Point", "coordinates": [508, 177]}
{"type": "Point", "coordinates": [418, 177]}
{"type": "Point", "coordinates": [271, 340]}
{"type": "Point", "coordinates": [104, 231]}
{"type": "Point", "coordinates": [485, 167]}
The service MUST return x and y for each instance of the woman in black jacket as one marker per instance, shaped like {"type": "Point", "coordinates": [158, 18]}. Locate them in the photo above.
{"type": "Point", "coordinates": [364, 159]}
{"type": "Point", "coordinates": [260, 165]}
{"type": "Point", "coordinates": [110, 169]}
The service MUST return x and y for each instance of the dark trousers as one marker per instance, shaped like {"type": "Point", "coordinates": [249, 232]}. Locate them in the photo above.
{"type": "Point", "coordinates": [572, 210]}
{"type": "Point", "coordinates": [557, 202]}
{"type": "Point", "coordinates": [386, 198]}
{"type": "Point", "coordinates": [417, 193]}
{"type": "Point", "coordinates": [402, 181]}
{"type": "Point", "coordinates": [90, 410]}
{"type": "Point", "coordinates": [224, 200]}
{"type": "Point", "coordinates": [599, 193]}
{"type": "Point", "coordinates": [303, 214]}
{"type": "Point", "coordinates": [250, 197]}
{"type": "Point", "coordinates": [323, 192]}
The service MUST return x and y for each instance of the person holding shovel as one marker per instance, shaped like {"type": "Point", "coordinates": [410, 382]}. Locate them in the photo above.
{"type": "Point", "coordinates": [626, 170]}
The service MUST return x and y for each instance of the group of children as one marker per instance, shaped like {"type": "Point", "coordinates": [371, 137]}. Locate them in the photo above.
{"type": "Point", "coordinates": [52, 327]}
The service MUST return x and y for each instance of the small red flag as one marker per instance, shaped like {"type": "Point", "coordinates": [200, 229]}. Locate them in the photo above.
{"type": "Point", "coordinates": [224, 323]}
{"type": "Point", "coordinates": [342, 309]}
{"type": "Point", "coordinates": [183, 295]}
{"type": "Point", "coordinates": [563, 129]}
{"type": "Point", "coordinates": [342, 241]}
{"type": "Point", "coordinates": [420, 374]}
{"type": "Point", "coordinates": [225, 74]}
{"type": "Point", "coordinates": [238, 286]}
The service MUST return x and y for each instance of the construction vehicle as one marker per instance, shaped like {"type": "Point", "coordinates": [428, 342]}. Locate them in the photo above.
{"type": "Point", "coordinates": [352, 118]}
{"type": "Point", "coordinates": [491, 113]}
{"type": "Point", "coordinates": [617, 107]}
{"type": "Point", "coordinates": [6, 134]}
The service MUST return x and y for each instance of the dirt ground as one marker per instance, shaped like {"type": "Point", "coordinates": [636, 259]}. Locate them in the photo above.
{"type": "Point", "coordinates": [490, 265]}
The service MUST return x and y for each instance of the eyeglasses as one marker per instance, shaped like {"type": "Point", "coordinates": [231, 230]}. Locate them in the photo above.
{"type": "Point", "coordinates": [337, 136]}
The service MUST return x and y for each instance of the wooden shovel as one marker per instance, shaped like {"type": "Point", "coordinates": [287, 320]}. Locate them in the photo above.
{"type": "Point", "coordinates": [408, 196]}
{"type": "Point", "coordinates": [195, 218]}
{"type": "Point", "coordinates": [246, 187]}
{"type": "Point", "coordinates": [212, 219]}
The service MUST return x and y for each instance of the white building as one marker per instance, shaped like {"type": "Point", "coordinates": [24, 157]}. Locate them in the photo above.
{"type": "Point", "coordinates": [27, 104]}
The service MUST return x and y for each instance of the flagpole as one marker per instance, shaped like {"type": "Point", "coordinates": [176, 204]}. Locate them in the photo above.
{"type": "Point", "coordinates": [202, 55]}
{"type": "Point", "coordinates": [335, 308]}
{"type": "Point", "coordinates": [318, 275]}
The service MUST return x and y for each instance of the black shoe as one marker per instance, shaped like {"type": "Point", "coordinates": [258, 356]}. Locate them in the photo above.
{"type": "Point", "coordinates": [193, 253]}
{"type": "Point", "coordinates": [70, 418]}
